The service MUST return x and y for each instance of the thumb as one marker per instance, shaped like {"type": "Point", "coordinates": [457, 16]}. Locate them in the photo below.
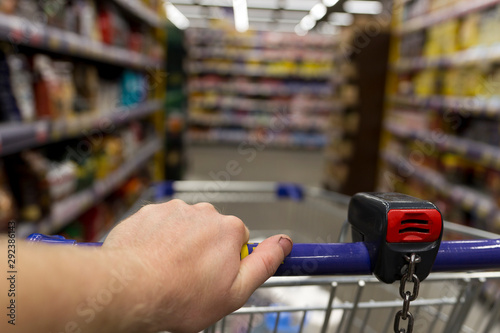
{"type": "Point", "coordinates": [261, 264]}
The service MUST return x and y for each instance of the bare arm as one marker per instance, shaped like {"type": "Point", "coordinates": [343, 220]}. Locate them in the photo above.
{"type": "Point", "coordinates": [170, 266]}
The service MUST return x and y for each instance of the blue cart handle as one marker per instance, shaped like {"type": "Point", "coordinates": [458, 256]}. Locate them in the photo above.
{"type": "Point", "coordinates": [353, 258]}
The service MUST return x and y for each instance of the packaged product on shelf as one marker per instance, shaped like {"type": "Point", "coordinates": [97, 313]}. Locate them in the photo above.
{"type": "Point", "coordinates": [109, 157]}
{"type": "Point", "coordinates": [57, 13]}
{"type": "Point", "coordinates": [424, 82]}
{"type": "Point", "coordinates": [86, 84]}
{"type": "Point", "coordinates": [27, 174]}
{"type": "Point", "coordinates": [44, 78]}
{"type": "Point", "coordinates": [64, 90]}
{"type": "Point", "coordinates": [131, 138]}
{"type": "Point", "coordinates": [62, 179]}
{"type": "Point", "coordinates": [8, 6]}
{"type": "Point", "coordinates": [108, 96]}
{"type": "Point", "coordinates": [87, 18]}
{"type": "Point", "coordinates": [86, 171]}
{"type": "Point", "coordinates": [9, 110]}
{"type": "Point", "coordinates": [134, 88]}
{"type": "Point", "coordinates": [22, 85]}
{"type": "Point", "coordinates": [30, 10]}
{"type": "Point", "coordinates": [105, 23]}
{"type": "Point", "coordinates": [468, 35]}
{"type": "Point", "coordinates": [113, 28]}
{"type": "Point", "coordinates": [489, 23]}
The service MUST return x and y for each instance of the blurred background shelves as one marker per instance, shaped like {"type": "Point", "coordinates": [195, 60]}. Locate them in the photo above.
{"type": "Point", "coordinates": [148, 14]}
{"type": "Point", "coordinates": [82, 111]}
{"type": "Point", "coordinates": [66, 211]}
{"type": "Point", "coordinates": [454, 9]}
{"type": "Point", "coordinates": [19, 136]}
{"type": "Point", "coordinates": [442, 108]}
{"type": "Point", "coordinates": [18, 30]}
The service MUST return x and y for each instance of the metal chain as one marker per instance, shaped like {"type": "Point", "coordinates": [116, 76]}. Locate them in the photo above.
{"type": "Point", "coordinates": [408, 296]}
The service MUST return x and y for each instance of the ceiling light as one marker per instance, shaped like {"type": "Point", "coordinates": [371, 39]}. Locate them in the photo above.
{"type": "Point", "coordinates": [240, 15]}
{"type": "Point", "coordinates": [307, 22]}
{"type": "Point", "coordinates": [363, 7]}
{"type": "Point", "coordinates": [176, 17]}
{"type": "Point", "coordinates": [330, 3]}
{"type": "Point", "coordinates": [344, 19]}
{"type": "Point", "coordinates": [318, 11]}
{"type": "Point", "coordinates": [299, 31]}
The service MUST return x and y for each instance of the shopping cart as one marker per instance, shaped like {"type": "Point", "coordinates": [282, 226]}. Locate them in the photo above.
{"type": "Point", "coordinates": [333, 289]}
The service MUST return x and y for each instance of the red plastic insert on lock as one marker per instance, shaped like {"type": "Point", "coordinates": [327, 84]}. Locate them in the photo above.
{"type": "Point", "coordinates": [413, 225]}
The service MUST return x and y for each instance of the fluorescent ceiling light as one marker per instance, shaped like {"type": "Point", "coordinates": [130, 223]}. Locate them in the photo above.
{"type": "Point", "coordinates": [363, 7]}
{"type": "Point", "coordinates": [299, 31]}
{"type": "Point", "coordinates": [176, 17]}
{"type": "Point", "coordinates": [240, 15]}
{"type": "Point", "coordinates": [307, 23]}
{"type": "Point", "coordinates": [330, 3]}
{"type": "Point", "coordinates": [318, 11]}
{"type": "Point", "coordinates": [344, 19]}
{"type": "Point", "coordinates": [221, 3]}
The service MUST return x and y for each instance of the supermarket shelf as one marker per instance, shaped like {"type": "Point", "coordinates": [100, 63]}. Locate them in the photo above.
{"type": "Point", "coordinates": [269, 140]}
{"type": "Point", "coordinates": [285, 89]}
{"type": "Point", "coordinates": [263, 55]}
{"type": "Point", "coordinates": [21, 31]}
{"type": "Point", "coordinates": [481, 153]}
{"type": "Point", "coordinates": [270, 106]}
{"type": "Point", "coordinates": [200, 36]}
{"type": "Point", "coordinates": [466, 198]}
{"type": "Point", "coordinates": [136, 8]}
{"type": "Point", "coordinates": [478, 106]}
{"type": "Point", "coordinates": [251, 70]}
{"type": "Point", "coordinates": [311, 124]}
{"type": "Point", "coordinates": [473, 56]}
{"type": "Point", "coordinates": [65, 211]}
{"type": "Point", "coordinates": [460, 9]}
{"type": "Point", "coordinates": [15, 137]}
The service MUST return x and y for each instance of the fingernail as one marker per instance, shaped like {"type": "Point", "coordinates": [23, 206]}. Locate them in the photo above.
{"type": "Point", "coordinates": [286, 244]}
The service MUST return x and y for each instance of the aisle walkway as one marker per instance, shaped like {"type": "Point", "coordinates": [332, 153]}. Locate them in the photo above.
{"type": "Point", "coordinates": [248, 163]}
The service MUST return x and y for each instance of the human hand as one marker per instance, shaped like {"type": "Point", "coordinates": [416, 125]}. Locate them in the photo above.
{"type": "Point", "coordinates": [191, 254]}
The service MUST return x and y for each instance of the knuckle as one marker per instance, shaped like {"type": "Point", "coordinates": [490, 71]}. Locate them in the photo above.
{"type": "Point", "coordinates": [177, 202]}
{"type": "Point", "coordinates": [146, 209]}
{"type": "Point", "coordinates": [237, 223]}
{"type": "Point", "coordinates": [205, 206]}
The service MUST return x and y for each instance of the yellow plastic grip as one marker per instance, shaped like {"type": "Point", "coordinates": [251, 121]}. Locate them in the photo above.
{"type": "Point", "coordinates": [247, 249]}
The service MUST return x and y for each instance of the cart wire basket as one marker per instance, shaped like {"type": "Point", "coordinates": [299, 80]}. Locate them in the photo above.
{"type": "Point", "coordinates": [332, 289]}
{"type": "Point", "coordinates": [448, 302]}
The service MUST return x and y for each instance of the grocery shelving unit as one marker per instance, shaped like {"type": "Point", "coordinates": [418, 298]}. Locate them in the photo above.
{"type": "Point", "coordinates": [20, 31]}
{"type": "Point", "coordinates": [241, 85]}
{"type": "Point", "coordinates": [442, 107]}
{"type": "Point", "coordinates": [19, 136]}
{"type": "Point", "coordinates": [64, 211]}
{"type": "Point", "coordinates": [352, 149]}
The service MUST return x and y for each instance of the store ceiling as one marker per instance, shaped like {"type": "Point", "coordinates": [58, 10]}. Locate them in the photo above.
{"type": "Point", "coordinates": [278, 15]}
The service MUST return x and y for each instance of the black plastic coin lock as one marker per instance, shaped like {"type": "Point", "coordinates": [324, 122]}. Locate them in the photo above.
{"type": "Point", "coordinates": [392, 226]}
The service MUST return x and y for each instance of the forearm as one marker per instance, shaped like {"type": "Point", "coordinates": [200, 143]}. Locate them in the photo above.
{"type": "Point", "coordinates": [68, 289]}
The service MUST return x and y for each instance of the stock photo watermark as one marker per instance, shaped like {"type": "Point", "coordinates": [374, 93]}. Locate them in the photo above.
{"type": "Point", "coordinates": [11, 274]}
{"type": "Point", "coordinates": [87, 311]}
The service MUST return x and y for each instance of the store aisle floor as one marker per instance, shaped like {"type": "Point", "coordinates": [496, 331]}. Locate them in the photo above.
{"type": "Point", "coordinates": [248, 163]}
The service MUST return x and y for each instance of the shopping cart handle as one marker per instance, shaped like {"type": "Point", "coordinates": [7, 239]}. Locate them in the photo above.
{"type": "Point", "coordinates": [354, 259]}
